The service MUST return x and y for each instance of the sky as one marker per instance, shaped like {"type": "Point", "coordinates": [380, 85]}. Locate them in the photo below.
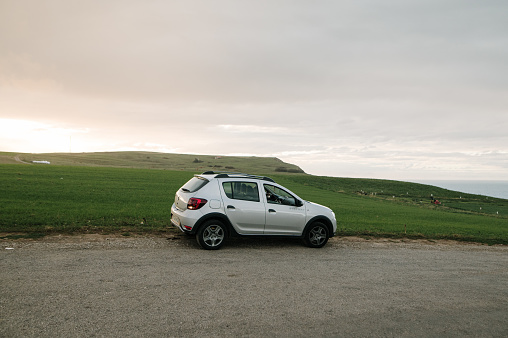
{"type": "Point", "coordinates": [392, 89]}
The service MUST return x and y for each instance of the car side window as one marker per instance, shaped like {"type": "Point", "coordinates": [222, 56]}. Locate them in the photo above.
{"type": "Point", "coordinates": [275, 195]}
{"type": "Point", "coordinates": [246, 191]}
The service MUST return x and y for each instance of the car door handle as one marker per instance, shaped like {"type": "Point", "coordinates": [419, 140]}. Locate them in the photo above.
{"type": "Point", "coordinates": [231, 207]}
{"type": "Point", "coordinates": [271, 210]}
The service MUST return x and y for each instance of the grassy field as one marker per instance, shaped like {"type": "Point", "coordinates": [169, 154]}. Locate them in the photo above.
{"type": "Point", "coordinates": [42, 198]}
{"type": "Point", "coordinates": [39, 199]}
{"type": "Point", "coordinates": [400, 209]}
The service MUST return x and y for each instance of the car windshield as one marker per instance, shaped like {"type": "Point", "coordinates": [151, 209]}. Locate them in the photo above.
{"type": "Point", "coordinates": [194, 184]}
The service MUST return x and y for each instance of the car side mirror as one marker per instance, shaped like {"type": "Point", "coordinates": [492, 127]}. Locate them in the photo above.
{"type": "Point", "coordinates": [298, 203]}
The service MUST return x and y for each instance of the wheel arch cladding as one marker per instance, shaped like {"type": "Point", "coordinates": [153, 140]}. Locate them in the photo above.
{"type": "Point", "coordinates": [322, 219]}
{"type": "Point", "coordinates": [215, 215]}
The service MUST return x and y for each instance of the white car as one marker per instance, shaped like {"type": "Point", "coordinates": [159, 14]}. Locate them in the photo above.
{"type": "Point", "coordinates": [216, 205]}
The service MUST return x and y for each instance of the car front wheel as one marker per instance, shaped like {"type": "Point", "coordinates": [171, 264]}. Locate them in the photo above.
{"type": "Point", "coordinates": [316, 235]}
{"type": "Point", "coordinates": [211, 235]}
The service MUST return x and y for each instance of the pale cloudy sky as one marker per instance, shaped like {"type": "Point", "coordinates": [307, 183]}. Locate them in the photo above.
{"type": "Point", "coordinates": [399, 89]}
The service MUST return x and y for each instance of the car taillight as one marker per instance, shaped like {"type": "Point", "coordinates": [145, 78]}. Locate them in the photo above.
{"type": "Point", "coordinates": [196, 203]}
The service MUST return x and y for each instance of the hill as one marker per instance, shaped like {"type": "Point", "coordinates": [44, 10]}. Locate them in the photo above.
{"type": "Point", "coordinates": [152, 160]}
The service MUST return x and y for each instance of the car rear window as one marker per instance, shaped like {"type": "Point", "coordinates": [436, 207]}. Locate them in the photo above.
{"type": "Point", "coordinates": [195, 184]}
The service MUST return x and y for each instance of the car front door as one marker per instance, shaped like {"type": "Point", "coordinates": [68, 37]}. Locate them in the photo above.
{"type": "Point", "coordinates": [285, 214]}
{"type": "Point", "coordinates": [244, 207]}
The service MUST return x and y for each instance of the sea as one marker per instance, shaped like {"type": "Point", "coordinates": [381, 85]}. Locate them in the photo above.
{"type": "Point", "coordinates": [487, 188]}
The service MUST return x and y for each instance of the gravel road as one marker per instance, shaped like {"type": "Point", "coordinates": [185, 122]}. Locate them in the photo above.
{"type": "Point", "coordinates": [88, 286]}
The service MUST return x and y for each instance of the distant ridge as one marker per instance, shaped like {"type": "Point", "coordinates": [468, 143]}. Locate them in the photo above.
{"type": "Point", "coordinates": [154, 160]}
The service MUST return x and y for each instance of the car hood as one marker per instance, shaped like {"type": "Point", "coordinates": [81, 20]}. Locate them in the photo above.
{"type": "Point", "coordinates": [317, 206]}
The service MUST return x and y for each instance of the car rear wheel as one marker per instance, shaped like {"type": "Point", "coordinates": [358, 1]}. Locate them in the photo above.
{"type": "Point", "coordinates": [316, 235]}
{"type": "Point", "coordinates": [211, 235]}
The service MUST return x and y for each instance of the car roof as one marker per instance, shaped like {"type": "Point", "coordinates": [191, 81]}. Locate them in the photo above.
{"type": "Point", "coordinates": [228, 174]}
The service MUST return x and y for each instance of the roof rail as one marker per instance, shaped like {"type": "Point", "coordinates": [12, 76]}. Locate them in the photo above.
{"type": "Point", "coordinates": [231, 174]}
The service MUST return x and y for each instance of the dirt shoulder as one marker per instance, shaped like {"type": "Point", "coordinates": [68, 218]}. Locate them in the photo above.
{"type": "Point", "coordinates": [151, 240]}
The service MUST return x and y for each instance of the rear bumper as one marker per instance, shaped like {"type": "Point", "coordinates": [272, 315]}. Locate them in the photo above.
{"type": "Point", "coordinates": [175, 223]}
{"type": "Point", "coordinates": [182, 228]}
{"type": "Point", "coordinates": [182, 221]}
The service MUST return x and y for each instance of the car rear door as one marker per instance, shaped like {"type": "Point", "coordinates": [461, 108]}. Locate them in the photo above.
{"type": "Point", "coordinates": [244, 207]}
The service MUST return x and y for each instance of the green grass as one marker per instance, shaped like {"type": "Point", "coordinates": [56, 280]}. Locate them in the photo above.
{"type": "Point", "coordinates": [38, 199]}
{"type": "Point", "coordinates": [63, 198]}
{"type": "Point", "coordinates": [402, 209]}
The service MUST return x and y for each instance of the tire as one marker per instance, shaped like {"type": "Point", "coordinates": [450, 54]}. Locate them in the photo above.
{"type": "Point", "coordinates": [316, 235]}
{"type": "Point", "coordinates": [211, 235]}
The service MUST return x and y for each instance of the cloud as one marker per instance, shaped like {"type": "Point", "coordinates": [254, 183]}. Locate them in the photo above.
{"type": "Point", "coordinates": [364, 88]}
{"type": "Point", "coordinates": [261, 51]}
{"type": "Point", "coordinates": [250, 129]}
